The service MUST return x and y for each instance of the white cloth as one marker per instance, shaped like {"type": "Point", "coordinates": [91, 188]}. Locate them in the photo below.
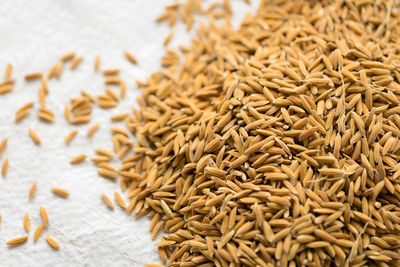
{"type": "Point", "coordinates": [34, 34]}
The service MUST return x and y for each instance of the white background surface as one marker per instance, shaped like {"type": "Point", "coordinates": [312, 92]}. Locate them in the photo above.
{"type": "Point", "coordinates": [33, 36]}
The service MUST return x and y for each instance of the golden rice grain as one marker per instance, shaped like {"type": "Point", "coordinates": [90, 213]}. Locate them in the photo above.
{"type": "Point", "coordinates": [5, 88]}
{"type": "Point", "coordinates": [32, 190]}
{"type": "Point", "coordinates": [3, 145]}
{"type": "Point", "coordinates": [104, 152]}
{"type": "Point", "coordinates": [20, 115]}
{"type": "Point", "coordinates": [23, 111]}
{"type": "Point", "coordinates": [33, 76]}
{"type": "Point", "coordinates": [100, 159]}
{"type": "Point", "coordinates": [112, 94]}
{"type": "Point", "coordinates": [34, 136]}
{"type": "Point", "coordinates": [168, 39]}
{"type": "Point", "coordinates": [97, 63]}
{"type": "Point", "coordinates": [75, 62]}
{"type": "Point", "coordinates": [17, 241]}
{"type": "Point", "coordinates": [38, 232]}
{"type": "Point", "coordinates": [108, 173]}
{"type": "Point", "coordinates": [27, 223]}
{"type": "Point", "coordinates": [119, 200]}
{"type": "Point", "coordinates": [67, 113]}
{"type": "Point", "coordinates": [68, 56]}
{"type": "Point", "coordinates": [59, 69]}
{"type": "Point", "coordinates": [106, 104]}
{"type": "Point", "coordinates": [80, 119]}
{"type": "Point", "coordinates": [93, 129]}
{"type": "Point", "coordinates": [45, 116]}
{"type": "Point", "coordinates": [130, 57]}
{"type": "Point", "coordinates": [45, 86]}
{"type": "Point", "coordinates": [52, 71]}
{"type": "Point", "coordinates": [52, 242]}
{"type": "Point", "coordinates": [111, 71]}
{"type": "Point", "coordinates": [4, 168]}
{"type": "Point", "coordinates": [107, 201]}
{"type": "Point", "coordinates": [70, 136]}
{"type": "Point", "coordinates": [60, 191]}
{"type": "Point", "coordinates": [113, 80]}
{"type": "Point", "coordinates": [119, 117]}
{"type": "Point", "coordinates": [42, 97]}
{"type": "Point", "coordinates": [45, 217]}
{"type": "Point", "coordinates": [78, 159]}
{"type": "Point", "coordinates": [89, 96]}
{"type": "Point", "coordinates": [7, 73]}
{"type": "Point", "coordinates": [123, 89]}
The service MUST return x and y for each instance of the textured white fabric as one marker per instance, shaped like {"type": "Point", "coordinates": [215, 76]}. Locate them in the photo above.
{"type": "Point", "coordinates": [34, 34]}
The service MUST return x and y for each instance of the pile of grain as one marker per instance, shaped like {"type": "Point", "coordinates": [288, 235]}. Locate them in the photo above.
{"type": "Point", "coordinates": [276, 144]}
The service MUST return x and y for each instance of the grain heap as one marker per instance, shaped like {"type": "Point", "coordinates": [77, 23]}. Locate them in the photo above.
{"type": "Point", "coordinates": [276, 144]}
